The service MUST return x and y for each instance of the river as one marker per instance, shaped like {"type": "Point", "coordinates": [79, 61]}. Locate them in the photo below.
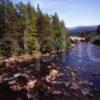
{"type": "Point", "coordinates": [86, 56]}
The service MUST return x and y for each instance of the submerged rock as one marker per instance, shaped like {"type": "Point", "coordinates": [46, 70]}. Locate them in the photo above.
{"type": "Point", "coordinates": [85, 92]}
{"type": "Point", "coordinates": [97, 42]}
{"type": "Point", "coordinates": [56, 92]}
{"type": "Point", "coordinates": [75, 87]}
{"type": "Point", "coordinates": [96, 75]}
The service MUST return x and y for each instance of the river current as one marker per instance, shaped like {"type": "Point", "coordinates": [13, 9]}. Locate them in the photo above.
{"type": "Point", "coordinates": [85, 56]}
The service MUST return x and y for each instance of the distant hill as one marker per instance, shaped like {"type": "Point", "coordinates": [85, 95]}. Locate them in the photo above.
{"type": "Point", "coordinates": [77, 29]}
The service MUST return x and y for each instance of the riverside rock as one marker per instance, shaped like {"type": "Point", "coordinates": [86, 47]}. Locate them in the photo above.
{"type": "Point", "coordinates": [75, 87]}
{"type": "Point", "coordinates": [56, 92]}
{"type": "Point", "coordinates": [31, 84]}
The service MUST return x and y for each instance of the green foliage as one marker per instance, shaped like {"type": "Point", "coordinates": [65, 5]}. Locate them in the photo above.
{"type": "Point", "coordinates": [60, 34]}
{"type": "Point", "coordinates": [24, 29]}
{"type": "Point", "coordinates": [98, 30]}
{"type": "Point", "coordinates": [96, 39]}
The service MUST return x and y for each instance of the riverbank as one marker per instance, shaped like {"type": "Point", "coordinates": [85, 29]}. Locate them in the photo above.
{"type": "Point", "coordinates": [26, 80]}
{"type": "Point", "coordinates": [52, 80]}
{"type": "Point", "coordinates": [25, 60]}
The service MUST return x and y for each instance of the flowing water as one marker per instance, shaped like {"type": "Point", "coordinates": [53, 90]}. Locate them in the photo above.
{"type": "Point", "coordinates": [87, 57]}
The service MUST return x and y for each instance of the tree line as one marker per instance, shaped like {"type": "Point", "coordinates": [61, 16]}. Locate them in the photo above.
{"type": "Point", "coordinates": [24, 29]}
{"type": "Point", "coordinates": [91, 35]}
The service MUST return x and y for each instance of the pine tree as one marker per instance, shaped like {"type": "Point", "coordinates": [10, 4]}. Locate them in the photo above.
{"type": "Point", "coordinates": [12, 19]}
{"type": "Point", "coordinates": [33, 43]}
{"type": "Point", "coordinates": [2, 17]}
{"type": "Point", "coordinates": [24, 21]}
{"type": "Point", "coordinates": [57, 31]}
{"type": "Point", "coordinates": [8, 27]}
{"type": "Point", "coordinates": [24, 29]}
{"type": "Point", "coordinates": [65, 37]}
{"type": "Point", "coordinates": [43, 29]}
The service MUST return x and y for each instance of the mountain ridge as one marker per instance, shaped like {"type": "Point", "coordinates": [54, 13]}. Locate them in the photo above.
{"type": "Point", "coordinates": [89, 28]}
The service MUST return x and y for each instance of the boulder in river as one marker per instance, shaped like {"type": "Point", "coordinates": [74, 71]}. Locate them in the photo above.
{"type": "Point", "coordinates": [96, 75]}
{"type": "Point", "coordinates": [56, 92]}
{"type": "Point", "coordinates": [96, 42]}
{"type": "Point", "coordinates": [75, 87]}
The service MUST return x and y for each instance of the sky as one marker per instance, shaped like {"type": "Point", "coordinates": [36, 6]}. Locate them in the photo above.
{"type": "Point", "coordinates": [73, 12]}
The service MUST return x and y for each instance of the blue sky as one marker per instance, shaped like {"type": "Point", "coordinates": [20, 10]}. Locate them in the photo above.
{"type": "Point", "coordinates": [73, 12]}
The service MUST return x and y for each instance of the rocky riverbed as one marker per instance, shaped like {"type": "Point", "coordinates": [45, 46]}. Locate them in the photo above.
{"type": "Point", "coordinates": [48, 78]}
{"type": "Point", "coordinates": [50, 81]}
